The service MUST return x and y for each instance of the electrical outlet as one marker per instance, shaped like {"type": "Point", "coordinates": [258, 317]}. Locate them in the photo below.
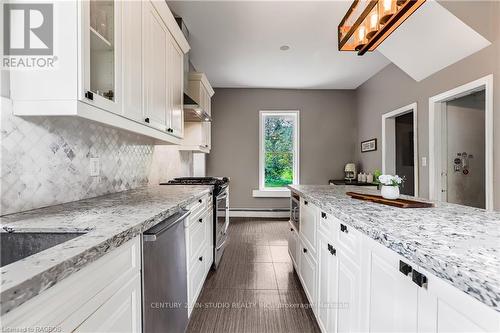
{"type": "Point", "coordinates": [424, 161]}
{"type": "Point", "coordinates": [95, 167]}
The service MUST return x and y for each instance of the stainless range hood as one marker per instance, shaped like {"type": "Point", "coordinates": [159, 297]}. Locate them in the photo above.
{"type": "Point", "coordinates": [194, 112]}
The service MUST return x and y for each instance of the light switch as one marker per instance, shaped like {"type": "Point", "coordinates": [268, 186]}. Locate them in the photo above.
{"type": "Point", "coordinates": [424, 161]}
{"type": "Point", "coordinates": [95, 167]}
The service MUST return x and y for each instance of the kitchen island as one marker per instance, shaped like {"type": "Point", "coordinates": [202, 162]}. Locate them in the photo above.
{"type": "Point", "coordinates": [447, 248]}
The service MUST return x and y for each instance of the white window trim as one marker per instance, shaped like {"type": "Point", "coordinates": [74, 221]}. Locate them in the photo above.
{"type": "Point", "coordinates": [279, 191]}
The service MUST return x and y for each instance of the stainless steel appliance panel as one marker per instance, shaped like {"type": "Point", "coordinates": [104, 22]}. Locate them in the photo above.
{"type": "Point", "coordinates": [164, 277]}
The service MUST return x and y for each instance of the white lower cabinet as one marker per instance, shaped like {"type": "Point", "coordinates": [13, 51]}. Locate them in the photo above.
{"type": "Point", "coordinates": [308, 273]}
{"type": "Point", "coordinates": [293, 246]}
{"type": "Point", "coordinates": [121, 313]}
{"type": "Point", "coordinates": [391, 297]}
{"type": "Point", "coordinates": [199, 247]}
{"type": "Point", "coordinates": [327, 284]}
{"type": "Point", "coordinates": [104, 296]}
{"type": "Point", "coordinates": [358, 285]}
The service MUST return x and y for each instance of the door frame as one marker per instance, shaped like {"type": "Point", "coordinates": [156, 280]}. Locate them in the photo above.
{"type": "Point", "coordinates": [411, 108]}
{"type": "Point", "coordinates": [437, 105]}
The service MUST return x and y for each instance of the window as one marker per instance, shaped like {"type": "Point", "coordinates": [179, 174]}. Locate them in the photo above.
{"type": "Point", "coordinates": [279, 147]}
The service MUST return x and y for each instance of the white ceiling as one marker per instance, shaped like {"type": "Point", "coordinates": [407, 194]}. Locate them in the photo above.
{"type": "Point", "coordinates": [237, 44]}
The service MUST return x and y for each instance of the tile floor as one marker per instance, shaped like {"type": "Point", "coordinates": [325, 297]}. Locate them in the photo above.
{"type": "Point", "coordinates": [255, 288]}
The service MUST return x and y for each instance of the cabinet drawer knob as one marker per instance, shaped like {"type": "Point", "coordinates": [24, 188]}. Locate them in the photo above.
{"type": "Point", "coordinates": [405, 268]}
{"type": "Point", "coordinates": [146, 120]}
{"type": "Point", "coordinates": [306, 203]}
{"type": "Point", "coordinates": [304, 250]}
{"type": "Point", "coordinates": [343, 228]}
{"type": "Point", "coordinates": [332, 250]}
{"type": "Point", "coordinates": [291, 229]}
{"type": "Point", "coordinates": [323, 215]}
{"type": "Point", "coordinates": [200, 201]}
{"type": "Point", "coordinates": [89, 95]}
{"type": "Point", "coordinates": [200, 258]}
{"type": "Point", "coordinates": [200, 220]}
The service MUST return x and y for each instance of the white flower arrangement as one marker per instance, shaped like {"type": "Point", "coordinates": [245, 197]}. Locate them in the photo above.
{"type": "Point", "coordinates": [389, 180]}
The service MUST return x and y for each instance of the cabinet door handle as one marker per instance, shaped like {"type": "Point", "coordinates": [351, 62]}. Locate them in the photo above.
{"type": "Point", "coordinates": [89, 95]}
{"type": "Point", "coordinates": [419, 278]}
{"type": "Point", "coordinates": [200, 201]}
{"type": "Point", "coordinates": [200, 220]}
{"type": "Point", "coordinates": [200, 258]}
{"type": "Point", "coordinates": [323, 215]}
{"type": "Point", "coordinates": [291, 229]}
{"type": "Point", "coordinates": [343, 228]}
{"type": "Point", "coordinates": [332, 250]}
{"type": "Point", "coordinates": [306, 203]}
{"type": "Point", "coordinates": [405, 268]}
{"type": "Point", "coordinates": [146, 120]}
{"type": "Point", "coordinates": [304, 250]}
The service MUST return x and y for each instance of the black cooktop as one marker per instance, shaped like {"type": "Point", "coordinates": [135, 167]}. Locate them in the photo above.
{"type": "Point", "coordinates": [219, 183]}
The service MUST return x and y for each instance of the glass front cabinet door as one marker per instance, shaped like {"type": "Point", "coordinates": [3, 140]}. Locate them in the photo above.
{"type": "Point", "coordinates": [101, 54]}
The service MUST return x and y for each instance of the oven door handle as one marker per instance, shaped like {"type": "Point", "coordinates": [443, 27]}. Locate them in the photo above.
{"type": "Point", "coordinates": [221, 196]}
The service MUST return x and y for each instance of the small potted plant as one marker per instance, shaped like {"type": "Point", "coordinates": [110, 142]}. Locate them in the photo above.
{"type": "Point", "coordinates": [390, 186]}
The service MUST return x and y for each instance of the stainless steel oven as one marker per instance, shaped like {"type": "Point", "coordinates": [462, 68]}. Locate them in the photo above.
{"type": "Point", "coordinates": [295, 210]}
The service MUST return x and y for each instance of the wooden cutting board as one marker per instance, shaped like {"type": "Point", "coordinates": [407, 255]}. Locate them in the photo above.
{"type": "Point", "coordinates": [401, 203]}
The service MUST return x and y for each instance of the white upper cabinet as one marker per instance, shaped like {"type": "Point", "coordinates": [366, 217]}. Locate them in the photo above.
{"type": "Point", "coordinates": [121, 65]}
{"type": "Point", "coordinates": [132, 64]}
{"type": "Point", "coordinates": [156, 95]}
{"type": "Point", "coordinates": [198, 131]}
{"type": "Point", "coordinates": [176, 81]}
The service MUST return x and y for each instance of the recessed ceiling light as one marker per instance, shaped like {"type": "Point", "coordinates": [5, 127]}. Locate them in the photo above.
{"type": "Point", "coordinates": [284, 48]}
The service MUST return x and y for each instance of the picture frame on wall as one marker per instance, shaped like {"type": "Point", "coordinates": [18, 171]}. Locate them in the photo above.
{"type": "Point", "coordinates": [369, 145]}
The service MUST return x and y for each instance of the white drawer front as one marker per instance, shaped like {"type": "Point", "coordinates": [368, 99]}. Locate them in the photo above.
{"type": "Point", "coordinates": [308, 223]}
{"type": "Point", "coordinates": [195, 280]}
{"type": "Point", "coordinates": [197, 237]}
{"type": "Point", "coordinates": [349, 240]}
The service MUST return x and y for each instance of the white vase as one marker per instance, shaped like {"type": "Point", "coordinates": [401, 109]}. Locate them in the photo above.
{"type": "Point", "coordinates": [390, 192]}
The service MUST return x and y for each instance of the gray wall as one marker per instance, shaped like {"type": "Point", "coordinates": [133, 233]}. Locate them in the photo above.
{"type": "Point", "coordinates": [327, 137]}
{"type": "Point", "coordinates": [391, 89]}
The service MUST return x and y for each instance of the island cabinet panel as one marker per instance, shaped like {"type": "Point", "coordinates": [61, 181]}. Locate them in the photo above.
{"type": "Point", "coordinates": [308, 224]}
{"type": "Point", "coordinates": [443, 308]}
{"type": "Point", "coordinates": [327, 284]}
{"type": "Point", "coordinates": [308, 273]}
{"type": "Point", "coordinates": [391, 296]}
{"type": "Point", "coordinates": [348, 303]}
{"type": "Point", "coordinates": [293, 245]}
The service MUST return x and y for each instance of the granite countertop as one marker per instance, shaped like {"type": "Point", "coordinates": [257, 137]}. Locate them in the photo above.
{"type": "Point", "coordinates": [456, 243]}
{"type": "Point", "coordinates": [109, 221]}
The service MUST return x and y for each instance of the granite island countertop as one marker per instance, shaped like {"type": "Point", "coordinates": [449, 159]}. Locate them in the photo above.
{"type": "Point", "coordinates": [456, 243]}
{"type": "Point", "coordinates": [109, 221]}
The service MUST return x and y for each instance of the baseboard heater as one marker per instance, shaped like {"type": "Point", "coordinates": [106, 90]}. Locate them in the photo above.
{"type": "Point", "coordinates": [260, 212]}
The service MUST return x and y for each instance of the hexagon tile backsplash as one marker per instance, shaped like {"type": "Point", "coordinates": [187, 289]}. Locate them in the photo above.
{"type": "Point", "coordinates": [46, 161]}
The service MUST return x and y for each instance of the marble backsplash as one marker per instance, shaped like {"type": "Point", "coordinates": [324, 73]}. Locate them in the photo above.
{"type": "Point", "coordinates": [46, 161]}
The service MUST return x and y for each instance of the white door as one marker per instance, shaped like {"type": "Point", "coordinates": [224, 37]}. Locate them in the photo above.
{"type": "Point", "coordinates": [176, 87]}
{"type": "Point", "coordinates": [392, 295]}
{"type": "Point", "coordinates": [327, 288]}
{"type": "Point", "coordinates": [155, 37]}
{"type": "Point", "coordinates": [132, 59]}
{"type": "Point", "coordinates": [121, 313]}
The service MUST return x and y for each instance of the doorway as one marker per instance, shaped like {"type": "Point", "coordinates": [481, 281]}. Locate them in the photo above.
{"type": "Point", "coordinates": [399, 146]}
{"type": "Point", "coordinates": [461, 145]}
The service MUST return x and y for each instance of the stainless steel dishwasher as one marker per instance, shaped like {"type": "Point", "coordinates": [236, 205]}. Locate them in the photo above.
{"type": "Point", "coordinates": [165, 276]}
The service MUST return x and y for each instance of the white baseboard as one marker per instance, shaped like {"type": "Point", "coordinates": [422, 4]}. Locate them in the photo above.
{"type": "Point", "coordinates": [259, 213]}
